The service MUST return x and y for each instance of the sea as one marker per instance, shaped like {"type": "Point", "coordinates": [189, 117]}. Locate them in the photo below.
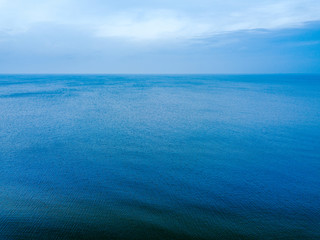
{"type": "Point", "coordinates": [160, 157]}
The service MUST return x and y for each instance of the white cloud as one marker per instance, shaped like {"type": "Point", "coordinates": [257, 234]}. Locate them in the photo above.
{"type": "Point", "coordinates": [19, 16]}
{"type": "Point", "coordinates": [151, 23]}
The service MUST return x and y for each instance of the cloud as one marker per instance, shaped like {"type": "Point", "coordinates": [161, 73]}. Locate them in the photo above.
{"type": "Point", "coordinates": [159, 20]}
{"type": "Point", "coordinates": [52, 48]}
{"type": "Point", "coordinates": [18, 16]}
{"type": "Point", "coordinates": [151, 25]}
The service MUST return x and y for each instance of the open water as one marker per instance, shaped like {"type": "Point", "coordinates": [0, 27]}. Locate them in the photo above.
{"type": "Point", "coordinates": [159, 157]}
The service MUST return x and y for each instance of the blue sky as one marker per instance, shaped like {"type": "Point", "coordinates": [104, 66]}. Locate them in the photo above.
{"type": "Point", "coordinates": [159, 36]}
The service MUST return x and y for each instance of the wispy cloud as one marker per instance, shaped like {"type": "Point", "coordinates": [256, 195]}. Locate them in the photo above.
{"type": "Point", "coordinates": [151, 25]}
{"type": "Point", "coordinates": [173, 24]}
{"type": "Point", "coordinates": [158, 36]}
{"type": "Point", "coordinates": [166, 21]}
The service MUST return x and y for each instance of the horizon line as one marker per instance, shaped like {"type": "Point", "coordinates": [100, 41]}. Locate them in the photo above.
{"type": "Point", "coordinates": [289, 73]}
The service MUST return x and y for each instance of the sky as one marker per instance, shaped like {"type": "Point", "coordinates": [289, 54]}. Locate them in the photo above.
{"type": "Point", "coordinates": [159, 36]}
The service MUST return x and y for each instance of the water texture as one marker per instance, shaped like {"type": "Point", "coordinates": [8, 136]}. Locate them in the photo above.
{"type": "Point", "coordinates": [159, 157]}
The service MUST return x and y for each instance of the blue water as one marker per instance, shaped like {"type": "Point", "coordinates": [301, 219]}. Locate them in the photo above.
{"type": "Point", "coordinates": [159, 157]}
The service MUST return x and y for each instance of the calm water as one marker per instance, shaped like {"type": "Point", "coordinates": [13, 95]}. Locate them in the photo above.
{"type": "Point", "coordinates": [159, 157]}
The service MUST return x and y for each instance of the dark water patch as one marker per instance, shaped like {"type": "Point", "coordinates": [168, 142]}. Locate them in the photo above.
{"type": "Point", "coordinates": [64, 92]}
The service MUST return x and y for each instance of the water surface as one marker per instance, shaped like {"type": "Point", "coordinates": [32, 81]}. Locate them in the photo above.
{"type": "Point", "coordinates": [159, 157]}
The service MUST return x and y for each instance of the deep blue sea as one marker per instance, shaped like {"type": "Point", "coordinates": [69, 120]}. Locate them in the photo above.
{"type": "Point", "coordinates": [159, 157]}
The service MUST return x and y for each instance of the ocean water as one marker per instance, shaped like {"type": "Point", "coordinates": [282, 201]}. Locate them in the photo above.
{"type": "Point", "coordinates": [159, 157]}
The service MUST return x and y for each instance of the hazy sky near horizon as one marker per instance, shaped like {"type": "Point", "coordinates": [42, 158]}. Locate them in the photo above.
{"type": "Point", "coordinates": [159, 36]}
